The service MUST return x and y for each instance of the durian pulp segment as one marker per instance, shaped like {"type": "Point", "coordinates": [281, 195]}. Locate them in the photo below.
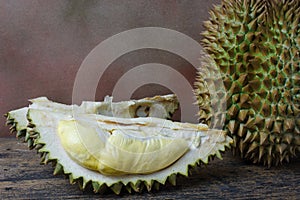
{"type": "Point", "coordinates": [210, 142]}
{"type": "Point", "coordinates": [118, 153]}
{"type": "Point", "coordinates": [74, 138]}
{"type": "Point", "coordinates": [137, 156]}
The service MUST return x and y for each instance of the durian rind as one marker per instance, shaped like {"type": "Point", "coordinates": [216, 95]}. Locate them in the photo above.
{"type": "Point", "coordinates": [255, 45]}
{"type": "Point", "coordinates": [53, 151]}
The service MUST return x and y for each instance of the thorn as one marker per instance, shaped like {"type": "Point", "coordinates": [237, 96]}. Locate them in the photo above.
{"type": "Point", "coordinates": [280, 148]}
{"type": "Point", "coordinates": [148, 185]}
{"type": "Point", "coordinates": [255, 137]}
{"type": "Point", "coordinates": [30, 143]}
{"type": "Point", "coordinates": [128, 188]}
{"type": "Point", "coordinates": [232, 126]}
{"type": "Point", "coordinates": [218, 154]}
{"type": "Point", "coordinates": [101, 188]}
{"type": "Point", "coordinates": [13, 127]}
{"type": "Point", "coordinates": [261, 153]}
{"type": "Point", "coordinates": [172, 179]}
{"type": "Point", "coordinates": [72, 180]}
{"type": "Point", "coordinates": [263, 138]}
{"type": "Point", "coordinates": [252, 147]}
{"type": "Point", "coordinates": [80, 183]}
{"type": "Point", "coordinates": [156, 185]}
{"type": "Point", "coordinates": [248, 137]}
{"type": "Point", "coordinates": [116, 188]}
{"type": "Point", "coordinates": [287, 158]}
{"type": "Point", "coordinates": [241, 148]}
{"type": "Point", "coordinates": [27, 136]}
{"type": "Point", "coordinates": [58, 169]}
{"type": "Point", "coordinates": [84, 183]}
{"type": "Point", "coordinates": [243, 114]}
{"type": "Point", "coordinates": [20, 134]}
{"type": "Point", "coordinates": [136, 187]}
{"type": "Point", "coordinates": [250, 123]}
{"type": "Point", "coordinates": [96, 186]}
{"type": "Point", "coordinates": [277, 127]}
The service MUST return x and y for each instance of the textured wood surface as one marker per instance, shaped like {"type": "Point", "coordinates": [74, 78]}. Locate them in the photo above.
{"type": "Point", "coordinates": [22, 177]}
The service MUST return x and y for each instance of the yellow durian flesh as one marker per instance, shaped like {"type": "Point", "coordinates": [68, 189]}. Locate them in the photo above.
{"type": "Point", "coordinates": [75, 137]}
{"type": "Point", "coordinates": [142, 156]}
{"type": "Point", "coordinates": [118, 153]}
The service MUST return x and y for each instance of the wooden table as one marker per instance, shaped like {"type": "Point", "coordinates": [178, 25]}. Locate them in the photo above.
{"type": "Point", "coordinates": [22, 177]}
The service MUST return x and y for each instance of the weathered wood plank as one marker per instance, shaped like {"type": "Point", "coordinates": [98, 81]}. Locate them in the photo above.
{"type": "Point", "coordinates": [23, 177]}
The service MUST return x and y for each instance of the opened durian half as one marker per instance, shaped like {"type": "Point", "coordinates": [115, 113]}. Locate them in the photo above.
{"type": "Point", "coordinates": [117, 152]}
{"type": "Point", "coordinates": [255, 47]}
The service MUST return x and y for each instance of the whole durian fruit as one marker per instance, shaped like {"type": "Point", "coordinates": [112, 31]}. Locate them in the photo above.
{"type": "Point", "coordinates": [254, 46]}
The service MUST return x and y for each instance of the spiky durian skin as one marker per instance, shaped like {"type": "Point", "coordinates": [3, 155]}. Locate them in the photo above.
{"type": "Point", "coordinates": [256, 45]}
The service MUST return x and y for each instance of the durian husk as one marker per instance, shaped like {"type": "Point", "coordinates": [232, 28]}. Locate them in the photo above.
{"type": "Point", "coordinates": [41, 132]}
{"type": "Point", "coordinates": [255, 47]}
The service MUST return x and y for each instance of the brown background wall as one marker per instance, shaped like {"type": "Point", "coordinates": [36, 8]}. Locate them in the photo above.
{"type": "Point", "coordinates": [43, 43]}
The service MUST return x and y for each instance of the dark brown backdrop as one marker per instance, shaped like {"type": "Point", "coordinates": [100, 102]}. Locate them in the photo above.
{"type": "Point", "coordinates": [43, 43]}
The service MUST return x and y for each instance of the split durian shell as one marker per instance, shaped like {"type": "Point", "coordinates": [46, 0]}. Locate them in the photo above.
{"type": "Point", "coordinates": [197, 141]}
{"type": "Point", "coordinates": [255, 48]}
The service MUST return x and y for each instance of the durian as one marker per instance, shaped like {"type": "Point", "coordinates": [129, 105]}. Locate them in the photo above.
{"type": "Point", "coordinates": [255, 47]}
{"type": "Point", "coordinates": [117, 152]}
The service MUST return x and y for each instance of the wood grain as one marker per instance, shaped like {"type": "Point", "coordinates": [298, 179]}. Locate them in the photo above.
{"type": "Point", "coordinates": [22, 177]}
